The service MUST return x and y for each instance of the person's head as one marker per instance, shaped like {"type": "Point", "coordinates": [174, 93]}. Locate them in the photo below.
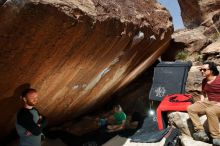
{"type": "Point", "coordinates": [117, 108]}
{"type": "Point", "coordinates": [209, 69]}
{"type": "Point", "coordinates": [30, 97]}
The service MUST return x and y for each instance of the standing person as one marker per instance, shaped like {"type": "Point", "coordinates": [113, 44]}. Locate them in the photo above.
{"type": "Point", "coordinates": [29, 122]}
{"type": "Point", "coordinates": [118, 119]}
{"type": "Point", "coordinates": [209, 104]}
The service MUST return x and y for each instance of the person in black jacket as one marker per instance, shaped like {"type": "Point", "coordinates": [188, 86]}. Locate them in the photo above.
{"type": "Point", "coordinates": [29, 122]}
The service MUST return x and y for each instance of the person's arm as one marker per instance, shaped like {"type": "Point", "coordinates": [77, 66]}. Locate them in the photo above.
{"type": "Point", "coordinates": [122, 126]}
{"type": "Point", "coordinates": [111, 119]}
{"type": "Point", "coordinates": [118, 127]}
{"type": "Point", "coordinates": [203, 95]}
{"type": "Point", "coordinates": [42, 122]}
{"type": "Point", "coordinates": [25, 119]}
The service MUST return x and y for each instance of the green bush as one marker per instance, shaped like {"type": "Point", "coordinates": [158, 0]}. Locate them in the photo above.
{"type": "Point", "coordinates": [181, 55]}
{"type": "Point", "coordinates": [215, 36]}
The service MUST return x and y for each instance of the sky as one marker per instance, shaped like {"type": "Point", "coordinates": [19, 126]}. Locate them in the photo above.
{"type": "Point", "coordinates": [174, 9]}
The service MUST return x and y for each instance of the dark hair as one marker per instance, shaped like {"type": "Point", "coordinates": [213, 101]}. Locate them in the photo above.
{"type": "Point", "coordinates": [212, 67]}
{"type": "Point", "coordinates": [26, 91]}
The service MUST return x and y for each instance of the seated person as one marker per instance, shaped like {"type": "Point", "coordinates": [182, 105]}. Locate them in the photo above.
{"type": "Point", "coordinates": [209, 105]}
{"type": "Point", "coordinates": [118, 120]}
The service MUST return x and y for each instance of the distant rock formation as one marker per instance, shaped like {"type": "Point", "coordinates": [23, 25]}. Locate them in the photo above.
{"type": "Point", "coordinates": [197, 12]}
{"type": "Point", "coordinates": [75, 53]}
{"type": "Point", "coordinates": [199, 41]}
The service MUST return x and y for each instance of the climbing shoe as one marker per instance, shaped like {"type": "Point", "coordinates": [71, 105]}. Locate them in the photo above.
{"type": "Point", "coordinates": [216, 142]}
{"type": "Point", "coordinates": [201, 136]}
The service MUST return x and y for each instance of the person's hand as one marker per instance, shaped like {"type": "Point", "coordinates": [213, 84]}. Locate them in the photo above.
{"type": "Point", "coordinates": [200, 101]}
{"type": "Point", "coordinates": [109, 131]}
{"type": "Point", "coordinates": [202, 98]}
{"type": "Point", "coordinates": [28, 133]}
{"type": "Point", "coordinates": [218, 104]}
{"type": "Point", "coordinates": [40, 117]}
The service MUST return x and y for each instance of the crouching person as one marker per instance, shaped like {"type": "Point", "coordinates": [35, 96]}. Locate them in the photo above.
{"type": "Point", "coordinates": [209, 105]}
{"type": "Point", "coordinates": [118, 120]}
{"type": "Point", "coordinates": [29, 122]}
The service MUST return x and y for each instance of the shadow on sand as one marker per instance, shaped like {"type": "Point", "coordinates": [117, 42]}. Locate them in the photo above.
{"type": "Point", "coordinates": [95, 138]}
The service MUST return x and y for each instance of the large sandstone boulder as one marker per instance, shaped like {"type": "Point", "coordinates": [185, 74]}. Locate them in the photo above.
{"type": "Point", "coordinates": [212, 52]}
{"type": "Point", "coordinates": [194, 82]}
{"type": "Point", "coordinates": [189, 41]}
{"type": "Point", "coordinates": [213, 48]}
{"type": "Point", "coordinates": [188, 141]}
{"type": "Point", "coordinates": [75, 53]}
{"type": "Point", "coordinates": [196, 44]}
{"type": "Point", "coordinates": [194, 39]}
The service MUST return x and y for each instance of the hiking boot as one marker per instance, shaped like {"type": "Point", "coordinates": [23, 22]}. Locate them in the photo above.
{"type": "Point", "coordinates": [201, 136]}
{"type": "Point", "coordinates": [216, 142]}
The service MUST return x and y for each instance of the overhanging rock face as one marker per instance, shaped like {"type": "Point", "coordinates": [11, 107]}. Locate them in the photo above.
{"type": "Point", "coordinates": [75, 52]}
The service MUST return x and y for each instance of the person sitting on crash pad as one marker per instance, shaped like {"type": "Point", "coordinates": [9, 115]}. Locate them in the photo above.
{"type": "Point", "coordinates": [118, 120]}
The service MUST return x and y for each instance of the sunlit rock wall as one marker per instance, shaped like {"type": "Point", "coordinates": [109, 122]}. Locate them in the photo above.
{"type": "Point", "coordinates": [76, 53]}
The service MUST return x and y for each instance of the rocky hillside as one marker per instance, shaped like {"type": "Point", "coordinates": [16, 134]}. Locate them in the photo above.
{"type": "Point", "coordinates": [75, 53]}
{"type": "Point", "coordinates": [200, 40]}
{"type": "Point", "coordinates": [199, 12]}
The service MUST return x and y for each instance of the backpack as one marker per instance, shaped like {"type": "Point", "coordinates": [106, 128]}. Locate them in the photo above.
{"type": "Point", "coordinates": [172, 137]}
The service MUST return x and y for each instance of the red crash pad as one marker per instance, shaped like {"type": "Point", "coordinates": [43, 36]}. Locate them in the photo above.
{"type": "Point", "coordinates": [174, 102]}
